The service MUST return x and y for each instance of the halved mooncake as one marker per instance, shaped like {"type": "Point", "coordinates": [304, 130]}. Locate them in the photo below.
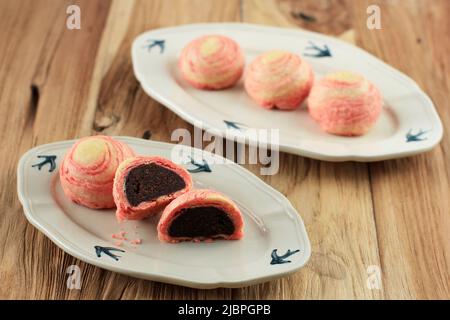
{"type": "Point", "coordinates": [200, 215]}
{"type": "Point", "coordinates": [145, 185]}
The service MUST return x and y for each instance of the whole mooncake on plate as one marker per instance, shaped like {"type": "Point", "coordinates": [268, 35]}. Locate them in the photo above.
{"type": "Point", "coordinates": [87, 171]}
{"type": "Point", "coordinates": [345, 103]}
{"type": "Point", "coordinates": [145, 185]}
{"type": "Point", "coordinates": [279, 79]}
{"type": "Point", "coordinates": [212, 62]}
{"type": "Point", "coordinates": [200, 215]}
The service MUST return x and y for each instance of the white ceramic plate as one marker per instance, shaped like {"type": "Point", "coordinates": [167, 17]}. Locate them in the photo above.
{"type": "Point", "coordinates": [271, 223]}
{"type": "Point", "coordinates": [408, 124]}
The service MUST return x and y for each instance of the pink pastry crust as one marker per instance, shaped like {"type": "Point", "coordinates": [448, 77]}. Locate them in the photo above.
{"type": "Point", "coordinates": [212, 62]}
{"type": "Point", "coordinates": [196, 198]}
{"type": "Point", "coordinates": [87, 171]}
{"type": "Point", "coordinates": [279, 79]}
{"type": "Point", "coordinates": [345, 104]}
{"type": "Point", "coordinates": [125, 211]}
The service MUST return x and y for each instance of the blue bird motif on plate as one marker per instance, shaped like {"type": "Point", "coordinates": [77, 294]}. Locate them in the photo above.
{"type": "Point", "coordinates": [50, 160]}
{"type": "Point", "coordinates": [233, 125]}
{"type": "Point", "coordinates": [200, 167]}
{"type": "Point", "coordinates": [410, 137]}
{"type": "Point", "coordinates": [156, 43]}
{"type": "Point", "coordinates": [276, 259]}
{"type": "Point", "coordinates": [317, 52]}
{"type": "Point", "coordinates": [107, 250]}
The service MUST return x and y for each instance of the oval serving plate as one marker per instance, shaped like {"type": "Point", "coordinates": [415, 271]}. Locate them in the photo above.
{"type": "Point", "coordinates": [275, 242]}
{"type": "Point", "coordinates": [409, 123]}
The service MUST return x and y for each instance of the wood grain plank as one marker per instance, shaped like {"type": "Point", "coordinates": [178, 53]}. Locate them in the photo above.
{"type": "Point", "coordinates": [329, 17]}
{"type": "Point", "coordinates": [18, 107]}
{"type": "Point", "coordinates": [119, 16]}
{"type": "Point", "coordinates": [44, 76]}
{"type": "Point", "coordinates": [411, 196]}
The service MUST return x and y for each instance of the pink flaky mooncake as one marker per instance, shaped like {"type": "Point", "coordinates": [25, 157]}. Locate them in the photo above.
{"type": "Point", "coordinates": [212, 62]}
{"type": "Point", "coordinates": [87, 171]}
{"type": "Point", "coordinates": [279, 79]}
{"type": "Point", "coordinates": [345, 103]}
{"type": "Point", "coordinates": [145, 185]}
{"type": "Point", "coordinates": [200, 215]}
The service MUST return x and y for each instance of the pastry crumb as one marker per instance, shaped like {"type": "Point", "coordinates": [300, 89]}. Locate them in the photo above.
{"type": "Point", "coordinates": [119, 236]}
{"type": "Point", "coordinates": [136, 241]}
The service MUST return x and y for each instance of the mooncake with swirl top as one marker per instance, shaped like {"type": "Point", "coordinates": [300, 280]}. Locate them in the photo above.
{"type": "Point", "coordinates": [345, 103]}
{"type": "Point", "coordinates": [212, 62]}
{"type": "Point", "coordinates": [88, 169]}
{"type": "Point", "coordinates": [279, 79]}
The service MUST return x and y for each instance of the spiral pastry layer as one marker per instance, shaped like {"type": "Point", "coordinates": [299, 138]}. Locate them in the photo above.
{"type": "Point", "coordinates": [345, 103]}
{"type": "Point", "coordinates": [200, 215]}
{"type": "Point", "coordinates": [212, 62]}
{"type": "Point", "coordinates": [87, 171]}
{"type": "Point", "coordinates": [279, 79]}
{"type": "Point", "coordinates": [143, 186]}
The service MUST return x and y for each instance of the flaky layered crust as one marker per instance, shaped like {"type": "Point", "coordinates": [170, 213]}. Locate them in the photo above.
{"type": "Point", "coordinates": [212, 62]}
{"type": "Point", "coordinates": [345, 104]}
{"type": "Point", "coordinates": [279, 79]}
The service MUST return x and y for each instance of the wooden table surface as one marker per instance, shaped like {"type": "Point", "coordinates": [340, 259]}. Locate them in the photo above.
{"type": "Point", "coordinates": [58, 84]}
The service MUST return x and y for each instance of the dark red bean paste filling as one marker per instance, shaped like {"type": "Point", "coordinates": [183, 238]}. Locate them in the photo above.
{"type": "Point", "coordinates": [207, 222]}
{"type": "Point", "coordinates": [148, 182]}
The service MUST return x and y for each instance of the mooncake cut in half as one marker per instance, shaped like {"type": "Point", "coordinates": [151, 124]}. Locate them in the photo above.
{"type": "Point", "coordinates": [87, 170]}
{"type": "Point", "coordinates": [145, 185]}
{"type": "Point", "coordinates": [201, 215]}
